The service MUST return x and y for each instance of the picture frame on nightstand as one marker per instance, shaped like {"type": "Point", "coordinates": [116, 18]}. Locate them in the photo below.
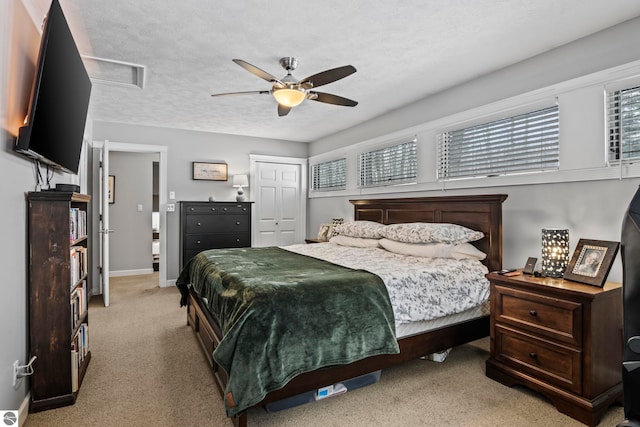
{"type": "Point", "coordinates": [591, 262]}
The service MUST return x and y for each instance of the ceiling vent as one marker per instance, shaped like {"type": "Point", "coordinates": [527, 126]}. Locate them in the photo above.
{"type": "Point", "coordinates": [110, 71]}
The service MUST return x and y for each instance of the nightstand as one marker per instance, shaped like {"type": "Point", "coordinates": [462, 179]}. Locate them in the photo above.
{"type": "Point", "coordinates": [560, 338]}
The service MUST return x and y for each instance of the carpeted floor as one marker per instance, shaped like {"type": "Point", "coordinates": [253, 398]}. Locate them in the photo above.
{"type": "Point", "coordinates": [147, 370]}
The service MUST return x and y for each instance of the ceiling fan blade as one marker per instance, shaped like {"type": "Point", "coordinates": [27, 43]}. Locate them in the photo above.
{"type": "Point", "coordinates": [257, 71]}
{"type": "Point", "coordinates": [282, 110]}
{"type": "Point", "coordinates": [330, 76]}
{"type": "Point", "coordinates": [332, 99]}
{"type": "Point", "coordinates": [251, 92]}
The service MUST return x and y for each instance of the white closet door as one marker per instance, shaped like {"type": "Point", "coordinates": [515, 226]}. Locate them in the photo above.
{"type": "Point", "coordinates": [277, 204]}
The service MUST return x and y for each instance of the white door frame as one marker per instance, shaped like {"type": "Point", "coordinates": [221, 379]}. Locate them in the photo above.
{"type": "Point", "coordinates": [259, 158]}
{"type": "Point", "coordinates": [161, 150]}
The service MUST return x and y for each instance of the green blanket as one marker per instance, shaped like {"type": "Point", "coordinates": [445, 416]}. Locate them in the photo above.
{"type": "Point", "coordinates": [283, 314]}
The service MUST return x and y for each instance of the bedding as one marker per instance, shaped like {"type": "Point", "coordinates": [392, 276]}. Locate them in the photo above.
{"type": "Point", "coordinates": [433, 250]}
{"type": "Point", "coordinates": [299, 309]}
{"type": "Point", "coordinates": [364, 229]}
{"type": "Point", "coordinates": [425, 232]}
{"type": "Point", "coordinates": [356, 242]}
{"type": "Point", "coordinates": [419, 288]}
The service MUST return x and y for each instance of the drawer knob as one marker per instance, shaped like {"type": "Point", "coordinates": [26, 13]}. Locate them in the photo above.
{"type": "Point", "coordinates": [224, 209]}
{"type": "Point", "coordinates": [533, 313]}
{"type": "Point", "coordinates": [213, 209]}
{"type": "Point", "coordinates": [198, 242]}
{"type": "Point", "coordinates": [238, 240]}
{"type": "Point", "coordinates": [198, 224]}
{"type": "Point", "coordinates": [237, 222]}
{"type": "Point", "coordinates": [533, 355]}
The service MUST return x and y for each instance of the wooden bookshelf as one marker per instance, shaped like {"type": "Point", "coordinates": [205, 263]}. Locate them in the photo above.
{"type": "Point", "coordinates": [59, 293]}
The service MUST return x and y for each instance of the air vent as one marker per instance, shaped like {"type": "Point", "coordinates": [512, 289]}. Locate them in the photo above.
{"type": "Point", "coordinates": [110, 71]}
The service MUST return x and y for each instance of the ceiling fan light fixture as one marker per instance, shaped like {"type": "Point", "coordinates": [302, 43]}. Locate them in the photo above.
{"type": "Point", "coordinates": [289, 97]}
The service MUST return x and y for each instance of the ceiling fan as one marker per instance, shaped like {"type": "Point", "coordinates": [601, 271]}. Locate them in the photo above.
{"type": "Point", "coordinates": [290, 92]}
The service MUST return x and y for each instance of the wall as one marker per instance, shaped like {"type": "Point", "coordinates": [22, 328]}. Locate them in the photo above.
{"type": "Point", "coordinates": [585, 196]}
{"type": "Point", "coordinates": [185, 147]}
{"type": "Point", "coordinates": [130, 243]}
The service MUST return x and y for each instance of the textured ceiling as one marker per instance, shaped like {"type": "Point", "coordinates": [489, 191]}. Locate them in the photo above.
{"type": "Point", "coordinates": [403, 51]}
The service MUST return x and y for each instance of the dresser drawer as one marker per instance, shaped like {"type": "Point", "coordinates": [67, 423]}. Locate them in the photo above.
{"type": "Point", "coordinates": [200, 242]}
{"type": "Point", "coordinates": [552, 317]}
{"type": "Point", "coordinates": [214, 208]}
{"type": "Point", "coordinates": [553, 363]}
{"type": "Point", "coordinates": [201, 223]}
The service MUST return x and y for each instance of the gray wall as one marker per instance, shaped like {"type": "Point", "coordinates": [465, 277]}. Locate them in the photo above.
{"type": "Point", "coordinates": [130, 243]}
{"type": "Point", "coordinates": [589, 209]}
{"type": "Point", "coordinates": [185, 147]}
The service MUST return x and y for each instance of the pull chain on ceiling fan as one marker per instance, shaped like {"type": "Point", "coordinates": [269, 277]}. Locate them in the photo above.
{"type": "Point", "coordinates": [290, 92]}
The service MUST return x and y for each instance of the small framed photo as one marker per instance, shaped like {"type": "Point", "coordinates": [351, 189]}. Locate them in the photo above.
{"type": "Point", "coordinates": [111, 189]}
{"type": "Point", "coordinates": [210, 171]}
{"type": "Point", "coordinates": [591, 262]}
{"type": "Point", "coordinates": [325, 232]}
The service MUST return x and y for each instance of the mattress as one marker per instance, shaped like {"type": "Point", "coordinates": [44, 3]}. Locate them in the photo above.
{"type": "Point", "coordinates": [420, 289]}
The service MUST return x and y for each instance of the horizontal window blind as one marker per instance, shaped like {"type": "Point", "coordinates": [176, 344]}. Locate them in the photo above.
{"type": "Point", "coordinates": [624, 124]}
{"type": "Point", "coordinates": [390, 165]}
{"type": "Point", "coordinates": [330, 175]}
{"type": "Point", "coordinates": [526, 142]}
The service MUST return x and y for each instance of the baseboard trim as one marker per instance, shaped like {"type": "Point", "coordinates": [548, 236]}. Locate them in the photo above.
{"type": "Point", "coordinates": [131, 272]}
{"type": "Point", "coordinates": [23, 411]}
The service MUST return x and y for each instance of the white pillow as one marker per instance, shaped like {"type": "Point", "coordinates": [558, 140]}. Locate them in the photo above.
{"type": "Point", "coordinates": [365, 229]}
{"type": "Point", "coordinates": [356, 242]}
{"type": "Point", "coordinates": [434, 250]}
{"type": "Point", "coordinates": [424, 232]}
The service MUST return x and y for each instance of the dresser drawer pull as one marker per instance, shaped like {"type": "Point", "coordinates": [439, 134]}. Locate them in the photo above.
{"type": "Point", "coordinates": [198, 224]}
{"type": "Point", "coordinates": [533, 355]}
{"type": "Point", "coordinates": [213, 209]}
{"type": "Point", "coordinates": [237, 222]}
{"type": "Point", "coordinates": [198, 242]}
{"type": "Point", "coordinates": [238, 240]}
{"type": "Point", "coordinates": [224, 209]}
{"type": "Point", "coordinates": [533, 313]}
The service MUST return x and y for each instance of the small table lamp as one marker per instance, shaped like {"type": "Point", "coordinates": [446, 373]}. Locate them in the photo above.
{"type": "Point", "coordinates": [555, 251]}
{"type": "Point", "coordinates": [240, 181]}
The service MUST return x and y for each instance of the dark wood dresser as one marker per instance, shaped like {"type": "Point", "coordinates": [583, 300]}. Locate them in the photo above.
{"type": "Point", "coordinates": [560, 338]}
{"type": "Point", "coordinates": [213, 225]}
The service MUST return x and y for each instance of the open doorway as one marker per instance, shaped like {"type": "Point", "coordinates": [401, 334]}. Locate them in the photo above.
{"type": "Point", "coordinates": [101, 230]}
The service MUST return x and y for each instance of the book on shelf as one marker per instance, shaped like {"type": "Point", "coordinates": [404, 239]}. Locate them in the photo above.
{"type": "Point", "coordinates": [75, 368]}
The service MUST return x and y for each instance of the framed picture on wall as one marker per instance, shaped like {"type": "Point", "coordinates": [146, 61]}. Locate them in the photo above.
{"type": "Point", "coordinates": [111, 189]}
{"type": "Point", "coordinates": [210, 171]}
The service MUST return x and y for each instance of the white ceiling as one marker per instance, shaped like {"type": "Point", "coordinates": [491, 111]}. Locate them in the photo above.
{"type": "Point", "coordinates": [403, 51]}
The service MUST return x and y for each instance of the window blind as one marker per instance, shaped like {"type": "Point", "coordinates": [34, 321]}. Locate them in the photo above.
{"type": "Point", "coordinates": [525, 142]}
{"type": "Point", "coordinates": [624, 124]}
{"type": "Point", "coordinates": [329, 175]}
{"type": "Point", "coordinates": [390, 165]}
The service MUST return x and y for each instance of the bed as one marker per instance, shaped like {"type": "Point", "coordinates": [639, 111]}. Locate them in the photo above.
{"type": "Point", "coordinates": [482, 213]}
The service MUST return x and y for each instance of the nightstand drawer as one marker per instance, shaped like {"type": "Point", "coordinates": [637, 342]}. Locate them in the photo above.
{"type": "Point", "coordinates": [552, 317]}
{"type": "Point", "coordinates": [555, 364]}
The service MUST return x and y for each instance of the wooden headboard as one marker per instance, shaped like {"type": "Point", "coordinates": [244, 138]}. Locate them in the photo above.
{"type": "Point", "coordinates": [481, 213]}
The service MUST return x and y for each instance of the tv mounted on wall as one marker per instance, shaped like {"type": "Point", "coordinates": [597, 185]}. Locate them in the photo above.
{"type": "Point", "coordinates": [54, 128]}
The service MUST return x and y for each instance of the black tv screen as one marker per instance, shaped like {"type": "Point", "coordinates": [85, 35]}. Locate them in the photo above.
{"type": "Point", "coordinates": [53, 133]}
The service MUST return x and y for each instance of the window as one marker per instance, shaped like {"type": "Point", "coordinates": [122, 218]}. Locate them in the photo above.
{"type": "Point", "coordinates": [526, 142]}
{"type": "Point", "coordinates": [624, 124]}
{"type": "Point", "coordinates": [390, 165]}
{"type": "Point", "coordinates": [329, 175]}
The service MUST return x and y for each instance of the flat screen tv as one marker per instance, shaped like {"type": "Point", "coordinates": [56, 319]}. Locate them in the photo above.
{"type": "Point", "coordinates": [54, 128]}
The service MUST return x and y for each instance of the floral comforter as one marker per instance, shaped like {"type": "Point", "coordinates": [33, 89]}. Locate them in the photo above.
{"type": "Point", "coordinates": [419, 288]}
